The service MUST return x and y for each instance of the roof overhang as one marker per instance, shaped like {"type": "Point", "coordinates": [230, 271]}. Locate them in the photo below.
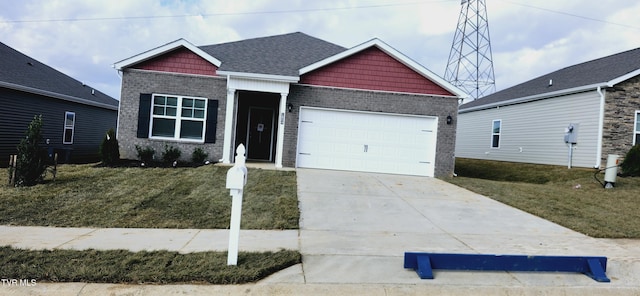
{"type": "Point", "coordinates": [57, 95]}
{"type": "Point", "coordinates": [558, 93]}
{"type": "Point", "coordinates": [393, 53]}
{"type": "Point", "coordinates": [258, 76]}
{"type": "Point", "coordinates": [537, 97]}
{"type": "Point", "coordinates": [158, 51]}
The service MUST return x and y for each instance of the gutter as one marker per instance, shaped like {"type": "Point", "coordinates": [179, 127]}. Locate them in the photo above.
{"type": "Point", "coordinates": [600, 129]}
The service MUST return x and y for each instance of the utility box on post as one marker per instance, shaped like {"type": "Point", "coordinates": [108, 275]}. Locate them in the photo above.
{"type": "Point", "coordinates": [611, 171]}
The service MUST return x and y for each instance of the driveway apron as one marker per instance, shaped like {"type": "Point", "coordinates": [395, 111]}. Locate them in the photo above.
{"type": "Point", "coordinates": [355, 228]}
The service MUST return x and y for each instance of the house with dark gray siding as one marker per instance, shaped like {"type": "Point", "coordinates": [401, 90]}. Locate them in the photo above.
{"type": "Point", "coordinates": [575, 116]}
{"type": "Point", "coordinates": [293, 100]}
{"type": "Point", "coordinates": [75, 116]}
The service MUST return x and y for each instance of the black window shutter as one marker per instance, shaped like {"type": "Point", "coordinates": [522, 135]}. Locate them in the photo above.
{"type": "Point", "coordinates": [144, 113]}
{"type": "Point", "coordinates": [212, 121]}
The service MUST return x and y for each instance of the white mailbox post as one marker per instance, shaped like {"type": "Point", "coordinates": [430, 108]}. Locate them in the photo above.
{"type": "Point", "coordinates": [236, 179]}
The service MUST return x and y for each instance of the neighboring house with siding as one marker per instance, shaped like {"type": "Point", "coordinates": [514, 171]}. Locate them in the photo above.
{"type": "Point", "coordinates": [292, 100]}
{"type": "Point", "coordinates": [528, 122]}
{"type": "Point", "coordinates": [75, 116]}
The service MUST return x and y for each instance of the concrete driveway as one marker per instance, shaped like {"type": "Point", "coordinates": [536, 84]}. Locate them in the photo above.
{"type": "Point", "coordinates": [355, 228]}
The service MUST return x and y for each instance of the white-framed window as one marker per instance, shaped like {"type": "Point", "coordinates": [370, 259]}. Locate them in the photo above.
{"type": "Point", "coordinates": [178, 118]}
{"type": "Point", "coordinates": [496, 129]}
{"type": "Point", "coordinates": [69, 127]}
{"type": "Point", "coordinates": [636, 129]}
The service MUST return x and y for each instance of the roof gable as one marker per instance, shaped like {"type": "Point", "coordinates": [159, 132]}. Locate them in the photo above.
{"type": "Point", "coordinates": [162, 50]}
{"type": "Point", "coordinates": [603, 72]}
{"type": "Point", "coordinates": [381, 56]}
{"type": "Point", "coordinates": [180, 60]}
{"type": "Point", "coordinates": [21, 72]}
{"type": "Point", "coordinates": [372, 69]}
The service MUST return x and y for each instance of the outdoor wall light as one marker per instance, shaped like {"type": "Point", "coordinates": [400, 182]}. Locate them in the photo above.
{"type": "Point", "coordinates": [289, 107]}
{"type": "Point", "coordinates": [449, 119]}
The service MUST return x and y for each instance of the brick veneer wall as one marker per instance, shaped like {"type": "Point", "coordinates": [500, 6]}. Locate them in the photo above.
{"type": "Point", "coordinates": [621, 103]}
{"type": "Point", "coordinates": [135, 82]}
{"type": "Point", "coordinates": [337, 98]}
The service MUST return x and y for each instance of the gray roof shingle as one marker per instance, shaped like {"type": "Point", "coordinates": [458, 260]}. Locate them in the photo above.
{"type": "Point", "coordinates": [18, 69]}
{"type": "Point", "coordinates": [282, 55]}
{"type": "Point", "coordinates": [588, 73]}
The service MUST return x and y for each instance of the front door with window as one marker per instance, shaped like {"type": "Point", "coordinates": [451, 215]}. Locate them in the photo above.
{"type": "Point", "coordinates": [260, 133]}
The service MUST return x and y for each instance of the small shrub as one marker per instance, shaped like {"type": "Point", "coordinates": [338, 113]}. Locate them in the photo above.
{"type": "Point", "coordinates": [109, 149]}
{"type": "Point", "coordinates": [31, 164]}
{"type": "Point", "coordinates": [631, 164]}
{"type": "Point", "coordinates": [198, 156]}
{"type": "Point", "coordinates": [145, 154]}
{"type": "Point", "coordinates": [170, 154]}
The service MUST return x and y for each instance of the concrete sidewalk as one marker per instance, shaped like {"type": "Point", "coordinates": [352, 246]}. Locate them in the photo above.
{"type": "Point", "coordinates": [355, 228]}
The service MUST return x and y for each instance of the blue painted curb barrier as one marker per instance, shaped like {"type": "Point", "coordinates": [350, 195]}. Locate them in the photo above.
{"type": "Point", "coordinates": [424, 263]}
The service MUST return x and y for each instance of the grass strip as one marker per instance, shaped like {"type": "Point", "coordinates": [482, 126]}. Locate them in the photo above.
{"type": "Point", "coordinates": [569, 197]}
{"type": "Point", "coordinates": [183, 197]}
{"type": "Point", "coordinates": [149, 267]}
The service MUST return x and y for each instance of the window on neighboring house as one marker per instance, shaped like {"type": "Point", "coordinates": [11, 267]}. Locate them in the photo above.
{"type": "Point", "coordinates": [69, 126]}
{"type": "Point", "coordinates": [178, 118]}
{"type": "Point", "coordinates": [636, 131]}
{"type": "Point", "coordinates": [495, 133]}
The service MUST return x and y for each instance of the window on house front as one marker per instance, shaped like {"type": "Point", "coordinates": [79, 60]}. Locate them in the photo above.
{"type": "Point", "coordinates": [69, 126]}
{"type": "Point", "coordinates": [636, 130]}
{"type": "Point", "coordinates": [495, 133]}
{"type": "Point", "coordinates": [177, 117]}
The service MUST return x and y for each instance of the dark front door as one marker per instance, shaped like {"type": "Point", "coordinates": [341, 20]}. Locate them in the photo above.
{"type": "Point", "coordinates": [260, 133]}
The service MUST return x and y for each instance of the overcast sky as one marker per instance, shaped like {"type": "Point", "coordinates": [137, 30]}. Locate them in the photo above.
{"type": "Point", "coordinates": [84, 38]}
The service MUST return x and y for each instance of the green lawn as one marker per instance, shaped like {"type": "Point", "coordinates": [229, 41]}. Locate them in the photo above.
{"type": "Point", "coordinates": [570, 197]}
{"type": "Point", "coordinates": [89, 196]}
{"type": "Point", "coordinates": [157, 267]}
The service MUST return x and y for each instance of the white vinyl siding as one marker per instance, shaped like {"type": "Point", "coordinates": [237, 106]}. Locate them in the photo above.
{"type": "Point", "coordinates": [535, 133]}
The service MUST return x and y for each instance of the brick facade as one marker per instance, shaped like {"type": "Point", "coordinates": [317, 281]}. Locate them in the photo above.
{"type": "Point", "coordinates": [388, 102]}
{"type": "Point", "coordinates": [621, 103]}
{"type": "Point", "coordinates": [375, 70]}
{"type": "Point", "coordinates": [136, 82]}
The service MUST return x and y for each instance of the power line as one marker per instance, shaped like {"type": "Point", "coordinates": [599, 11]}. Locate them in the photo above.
{"type": "Point", "coordinates": [570, 14]}
{"type": "Point", "coordinates": [224, 14]}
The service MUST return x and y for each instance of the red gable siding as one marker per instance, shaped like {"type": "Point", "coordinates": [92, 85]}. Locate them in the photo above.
{"type": "Point", "coordinates": [180, 60]}
{"type": "Point", "coordinates": [373, 69]}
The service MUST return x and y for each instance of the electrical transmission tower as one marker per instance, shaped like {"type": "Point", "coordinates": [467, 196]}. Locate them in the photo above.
{"type": "Point", "coordinates": [470, 65]}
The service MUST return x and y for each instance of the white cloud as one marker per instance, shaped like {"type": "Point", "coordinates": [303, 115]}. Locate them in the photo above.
{"type": "Point", "coordinates": [526, 41]}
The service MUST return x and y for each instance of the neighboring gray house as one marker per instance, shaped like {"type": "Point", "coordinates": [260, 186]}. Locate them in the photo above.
{"type": "Point", "coordinates": [293, 100]}
{"type": "Point", "coordinates": [75, 116]}
{"type": "Point", "coordinates": [528, 122]}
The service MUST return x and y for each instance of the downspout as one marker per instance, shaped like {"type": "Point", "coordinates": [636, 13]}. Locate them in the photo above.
{"type": "Point", "coordinates": [600, 128]}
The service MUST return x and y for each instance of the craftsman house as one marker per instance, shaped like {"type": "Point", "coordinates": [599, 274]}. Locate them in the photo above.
{"type": "Point", "coordinates": [75, 116]}
{"type": "Point", "coordinates": [293, 100]}
{"type": "Point", "coordinates": [577, 115]}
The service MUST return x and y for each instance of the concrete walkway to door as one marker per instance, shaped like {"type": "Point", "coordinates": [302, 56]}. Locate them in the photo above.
{"type": "Point", "coordinates": [355, 228]}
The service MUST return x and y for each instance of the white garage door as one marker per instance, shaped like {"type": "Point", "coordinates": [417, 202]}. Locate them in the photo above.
{"type": "Point", "coordinates": [367, 141]}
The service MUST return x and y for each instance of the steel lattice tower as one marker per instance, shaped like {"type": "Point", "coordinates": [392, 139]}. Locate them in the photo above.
{"type": "Point", "coordinates": [470, 64]}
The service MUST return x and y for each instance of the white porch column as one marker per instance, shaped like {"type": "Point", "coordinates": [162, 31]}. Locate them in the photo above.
{"type": "Point", "coordinates": [228, 126]}
{"type": "Point", "coordinates": [280, 138]}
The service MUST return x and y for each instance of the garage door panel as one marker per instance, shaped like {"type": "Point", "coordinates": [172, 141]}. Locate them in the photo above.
{"type": "Point", "coordinates": [366, 141]}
